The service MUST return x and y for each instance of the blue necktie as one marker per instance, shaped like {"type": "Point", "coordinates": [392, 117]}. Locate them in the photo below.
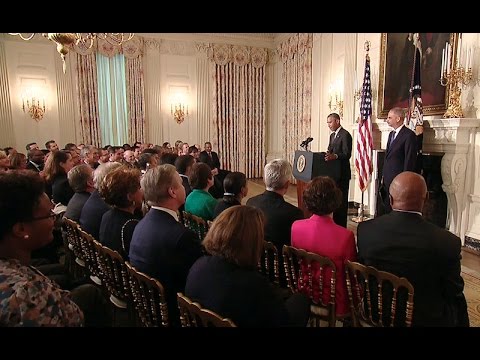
{"type": "Point", "coordinates": [391, 137]}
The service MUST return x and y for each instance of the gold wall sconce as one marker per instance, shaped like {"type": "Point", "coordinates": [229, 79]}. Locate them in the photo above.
{"type": "Point", "coordinates": [335, 100]}
{"type": "Point", "coordinates": [33, 108]}
{"type": "Point", "coordinates": [179, 112]}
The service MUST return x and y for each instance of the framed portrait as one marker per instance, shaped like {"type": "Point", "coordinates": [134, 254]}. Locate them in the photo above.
{"type": "Point", "coordinates": [396, 69]}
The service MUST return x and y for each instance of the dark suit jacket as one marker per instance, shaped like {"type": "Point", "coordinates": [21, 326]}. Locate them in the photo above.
{"type": "Point", "coordinates": [164, 249]}
{"type": "Point", "coordinates": [30, 166]}
{"type": "Point", "coordinates": [241, 294]}
{"type": "Point", "coordinates": [92, 212]}
{"type": "Point", "coordinates": [279, 214]}
{"type": "Point", "coordinates": [427, 255]}
{"type": "Point", "coordinates": [75, 205]}
{"type": "Point", "coordinates": [401, 155]}
{"type": "Point", "coordinates": [61, 190]}
{"type": "Point", "coordinates": [213, 162]}
{"type": "Point", "coordinates": [342, 146]}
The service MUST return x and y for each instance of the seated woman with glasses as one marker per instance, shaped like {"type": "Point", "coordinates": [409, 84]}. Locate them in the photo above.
{"type": "Point", "coordinates": [228, 282]}
{"type": "Point", "coordinates": [27, 297]}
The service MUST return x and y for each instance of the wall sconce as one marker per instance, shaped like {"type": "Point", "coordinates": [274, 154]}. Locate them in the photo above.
{"type": "Point", "coordinates": [33, 108]}
{"type": "Point", "coordinates": [335, 102]}
{"type": "Point", "coordinates": [179, 112]}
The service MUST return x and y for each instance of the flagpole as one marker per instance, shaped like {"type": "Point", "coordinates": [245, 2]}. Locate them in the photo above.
{"type": "Point", "coordinates": [363, 121]}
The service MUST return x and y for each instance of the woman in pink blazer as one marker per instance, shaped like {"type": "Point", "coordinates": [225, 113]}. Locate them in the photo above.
{"type": "Point", "coordinates": [320, 235]}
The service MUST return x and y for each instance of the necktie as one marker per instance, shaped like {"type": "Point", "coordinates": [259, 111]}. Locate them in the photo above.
{"type": "Point", "coordinates": [391, 137]}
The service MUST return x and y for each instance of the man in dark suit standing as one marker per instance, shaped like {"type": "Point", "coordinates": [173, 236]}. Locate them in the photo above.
{"type": "Point", "coordinates": [340, 149]}
{"type": "Point", "coordinates": [161, 246]}
{"type": "Point", "coordinates": [405, 244]}
{"type": "Point", "coordinates": [210, 158]}
{"type": "Point", "coordinates": [401, 154]}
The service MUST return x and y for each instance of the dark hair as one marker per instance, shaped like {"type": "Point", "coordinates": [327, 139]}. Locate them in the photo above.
{"type": "Point", "coordinates": [168, 158]}
{"type": "Point", "coordinates": [334, 115]}
{"type": "Point", "coordinates": [52, 166]}
{"type": "Point", "coordinates": [7, 150]}
{"type": "Point", "coordinates": [183, 162]}
{"type": "Point", "coordinates": [70, 146]}
{"type": "Point", "coordinates": [20, 195]}
{"type": "Point", "coordinates": [322, 196]}
{"type": "Point", "coordinates": [149, 151]}
{"type": "Point", "coordinates": [47, 144]}
{"type": "Point", "coordinates": [27, 147]}
{"type": "Point", "coordinates": [199, 176]}
{"type": "Point", "coordinates": [233, 184]}
{"type": "Point", "coordinates": [144, 159]}
{"type": "Point", "coordinates": [192, 149]}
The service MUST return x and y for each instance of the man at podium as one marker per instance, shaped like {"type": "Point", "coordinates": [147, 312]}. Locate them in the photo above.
{"type": "Point", "coordinates": [340, 149]}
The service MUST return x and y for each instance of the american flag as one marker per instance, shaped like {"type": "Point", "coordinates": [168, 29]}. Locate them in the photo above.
{"type": "Point", "coordinates": [363, 155]}
{"type": "Point", "coordinates": [415, 110]}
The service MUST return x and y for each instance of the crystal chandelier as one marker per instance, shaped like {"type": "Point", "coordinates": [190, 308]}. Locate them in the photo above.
{"type": "Point", "coordinates": [65, 41]}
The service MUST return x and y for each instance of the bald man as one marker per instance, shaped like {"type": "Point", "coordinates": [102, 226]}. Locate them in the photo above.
{"type": "Point", "coordinates": [401, 153]}
{"type": "Point", "coordinates": [405, 244]}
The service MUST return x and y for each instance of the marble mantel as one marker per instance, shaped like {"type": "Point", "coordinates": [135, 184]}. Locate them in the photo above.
{"type": "Point", "coordinates": [456, 139]}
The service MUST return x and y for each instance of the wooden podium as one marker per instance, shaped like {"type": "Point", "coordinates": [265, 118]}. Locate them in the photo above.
{"type": "Point", "coordinates": [306, 166]}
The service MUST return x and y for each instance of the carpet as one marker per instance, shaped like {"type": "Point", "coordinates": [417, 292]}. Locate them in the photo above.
{"type": "Point", "coordinates": [472, 294]}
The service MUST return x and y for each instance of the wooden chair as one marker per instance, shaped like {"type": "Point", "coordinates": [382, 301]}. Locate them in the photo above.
{"type": "Point", "coordinates": [113, 274]}
{"type": "Point", "coordinates": [268, 264]}
{"type": "Point", "coordinates": [300, 264]}
{"type": "Point", "coordinates": [148, 297]}
{"type": "Point", "coordinates": [193, 315]}
{"type": "Point", "coordinates": [195, 223]}
{"type": "Point", "coordinates": [378, 298]}
{"type": "Point", "coordinates": [74, 258]}
{"type": "Point", "coordinates": [90, 255]}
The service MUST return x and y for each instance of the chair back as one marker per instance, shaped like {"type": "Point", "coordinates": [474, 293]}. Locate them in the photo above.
{"type": "Point", "coordinates": [192, 314]}
{"type": "Point", "coordinates": [378, 298]}
{"type": "Point", "coordinates": [195, 223]}
{"type": "Point", "coordinates": [113, 274]}
{"type": "Point", "coordinates": [311, 274]}
{"type": "Point", "coordinates": [90, 254]}
{"type": "Point", "coordinates": [268, 263]}
{"type": "Point", "coordinates": [148, 297]}
{"type": "Point", "coordinates": [71, 230]}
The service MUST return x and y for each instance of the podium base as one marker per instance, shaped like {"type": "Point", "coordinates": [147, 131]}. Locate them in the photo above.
{"type": "Point", "coordinates": [359, 219]}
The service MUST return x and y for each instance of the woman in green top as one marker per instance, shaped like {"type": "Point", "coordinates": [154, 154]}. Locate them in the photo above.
{"type": "Point", "coordinates": [200, 202]}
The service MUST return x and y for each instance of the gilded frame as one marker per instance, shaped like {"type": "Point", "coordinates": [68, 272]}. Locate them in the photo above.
{"type": "Point", "coordinates": [396, 65]}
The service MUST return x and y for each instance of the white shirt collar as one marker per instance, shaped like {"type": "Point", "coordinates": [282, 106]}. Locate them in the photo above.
{"type": "Point", "coordinates": [409, 211]}
{"type": "Point", "coordinates": [397, 130]}
{"type": "Point", "coordinates": [169, 211]}
{"type": "Point", "coordinates": [184, 176]}
{"type": "Point", "coordinates": [338, 129]}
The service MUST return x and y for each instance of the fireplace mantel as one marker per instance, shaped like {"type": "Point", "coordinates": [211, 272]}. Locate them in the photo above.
{"type": "Point", "coordinates": [456, 139]}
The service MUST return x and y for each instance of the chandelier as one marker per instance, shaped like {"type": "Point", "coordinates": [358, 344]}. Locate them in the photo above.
{"type": "Point", "coordinates": [65, 41]}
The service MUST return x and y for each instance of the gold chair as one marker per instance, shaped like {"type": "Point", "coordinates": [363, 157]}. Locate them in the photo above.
{"type": "Point", "coordinates": [90, 255]}
{"type": "Point", "coordinates": [113, 274]}
{"type": "Point", "coordinates": [378, 298]}
{"type": "Point", "coordinates": [193, 315]}
{"type": "Point", "coordinates": [299, 264]}
{"type": "Point", "coordinates": [74, 258]}
{"type": "Point", "coordinates": [195, 223]}
{"type": "Point", "coordinates": [148, 297]}
{"type": "Point", "coordinates": [268, 263]}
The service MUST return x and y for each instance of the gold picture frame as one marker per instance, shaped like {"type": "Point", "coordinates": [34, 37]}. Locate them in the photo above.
{"type": "Point", "coordinates": [396, 66]}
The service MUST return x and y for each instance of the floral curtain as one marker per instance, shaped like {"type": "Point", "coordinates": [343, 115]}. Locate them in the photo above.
{"type": "Point", "coordinates": [132, 50]}
{"type": "Point", "coordinates": [88, 99]}
{"type": "Point", "coordinates": [239, 107]}
{"type": "Point", "coordinates": [296, 56]}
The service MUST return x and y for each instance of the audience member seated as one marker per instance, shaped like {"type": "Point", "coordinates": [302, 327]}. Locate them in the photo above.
{"type": "Point", "coordinates": [162, 247]}
{"type": "Point", "coordinates": [200, 202]}
{"type": "Point", "coordinates": [95, 206]}
{"type": "Point", "coordinates": [168, 158]}
{"type": "Point", "coordinates": [18, 161]}
{"type": "Point", "coordinates": [402, 242]}
{"type": "Point", "coordinates": [280, 214]}
{"type": "Point", "coordinates": [184, 164]}
{"type": "Point", "coordinates": [120, 189]}
{"type": "Point", "coordinates": [58, 164]}
{"type": "Point", "coordinates": [320, 235]}
{"type": "Point", "coordinates": [147, 161]}
{"type": "Point", "coordinates": [235, 187]}
{"type": "Point", "coordinates": [36, 160]}
{"type": "Point", "coordinates": [90, 156]}
{"type": "Point", "coordinates": [80, 179]}
{"type": "Point", "coordinates": [4, 161]}
{"type": "Point", "coordinates": [27, 297]}
{"type": "Point", "coordinates": [228, 282]}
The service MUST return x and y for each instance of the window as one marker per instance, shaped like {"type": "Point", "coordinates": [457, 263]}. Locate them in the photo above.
{"type": "Point", "coordinates": [112, 99]}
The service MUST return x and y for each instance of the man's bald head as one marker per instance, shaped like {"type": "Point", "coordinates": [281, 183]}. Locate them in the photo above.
{"type": "Point", "coordinates": [408, 191]}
